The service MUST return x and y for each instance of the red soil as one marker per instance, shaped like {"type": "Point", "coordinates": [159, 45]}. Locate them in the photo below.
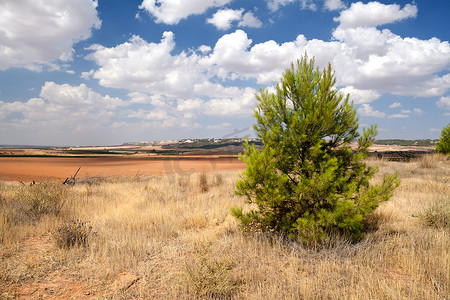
{"type": "Point", "coordinates": [42, 168]}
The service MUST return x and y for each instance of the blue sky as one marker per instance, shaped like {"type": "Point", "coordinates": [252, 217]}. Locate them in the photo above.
{"type": "Point", "coordinates": [111, 71]}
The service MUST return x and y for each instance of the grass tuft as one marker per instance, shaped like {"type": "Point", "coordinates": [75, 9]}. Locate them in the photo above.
{"type": "Point", "coordinates": [72, 233]}
{"type": "Point", "coordinates": [203, 183]}
{"type": "Point", "coordinates": [211, 277]}
{"type": "Point", "coordinates": [437, 215]}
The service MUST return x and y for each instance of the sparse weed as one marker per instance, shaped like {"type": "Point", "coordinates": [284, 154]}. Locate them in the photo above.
{"type": "Point", "coordinates": [72, 233]}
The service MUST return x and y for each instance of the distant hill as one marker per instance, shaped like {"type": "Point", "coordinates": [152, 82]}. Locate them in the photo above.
{"type": "Point", "coordinates": [427, 142]}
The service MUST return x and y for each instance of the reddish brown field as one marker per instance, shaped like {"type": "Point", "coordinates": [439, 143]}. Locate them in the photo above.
{"type": "Point", "coordinates": [44, 168]}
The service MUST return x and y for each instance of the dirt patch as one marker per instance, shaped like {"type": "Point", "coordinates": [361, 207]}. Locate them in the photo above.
{"type": "Point", "coordinates": [40, 278]}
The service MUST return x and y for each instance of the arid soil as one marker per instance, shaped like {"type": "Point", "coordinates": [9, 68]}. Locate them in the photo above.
{"type": "Point", "coordinates": [44, 168]}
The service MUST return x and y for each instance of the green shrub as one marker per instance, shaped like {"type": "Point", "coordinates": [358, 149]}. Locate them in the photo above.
{"type": "Point", "coordinates": [307, 182]}
{"type": "Point", "coordinates": [72, 233]}
{"type": "Point", "coordinates": [41, 199]}
{"type": "Point", "coordinates": [443, 145]}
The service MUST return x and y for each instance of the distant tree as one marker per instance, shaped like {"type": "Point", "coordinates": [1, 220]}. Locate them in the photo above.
{"type": "Point", "coordinates": [307, 181]}
{"type": "Point", "coordinates": [443, 145]}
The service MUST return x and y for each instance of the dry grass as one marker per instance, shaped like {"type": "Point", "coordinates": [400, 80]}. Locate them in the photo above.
{"type": "Point", "coordinates": [164, 237]}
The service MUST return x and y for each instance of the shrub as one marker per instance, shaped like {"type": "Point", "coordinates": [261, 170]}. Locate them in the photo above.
{"type": "Point", "coordinates": [307, 181]}
{"type": "Point", "coordinates": [73, 233]}
{"type": "Point", "coordinates": [443, 145]}
{"type": "Point", "coordinates": [41, 199]}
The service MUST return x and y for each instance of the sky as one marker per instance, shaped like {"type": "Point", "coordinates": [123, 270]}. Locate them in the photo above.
{"type": "Point", "coordinates": [108, 72]}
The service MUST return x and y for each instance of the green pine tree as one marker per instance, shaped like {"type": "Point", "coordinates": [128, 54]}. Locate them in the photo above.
{"type": "Point", "coordinates": [443, 145]}
{"type": "Point", "coordinates": [307, 182]}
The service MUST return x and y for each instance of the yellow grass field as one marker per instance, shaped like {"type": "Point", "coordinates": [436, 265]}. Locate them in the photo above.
{"type": "Point", "coordinates": [172, 237]}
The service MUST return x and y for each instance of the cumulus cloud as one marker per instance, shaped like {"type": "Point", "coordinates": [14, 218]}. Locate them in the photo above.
{"type": "Point", "coordinates": [275, 4]}
{"type": "Point", "coordinates": [444, 102]}
{"type": "Point", "coordinates": [368, 62]}
{"type": "Point", "coordinates": [360, 96]}
{"type": "Point", "coordinates": [398, 116]}
{"type": "Point", "coordinates": [36, 33]}
{"type": "Point", "coordinates": [334, 5]}
{"type": "Point", "coordinates": [366, 110]}
{"type": "Point", "coordinates": [418, 111]}
{"type": "Point", "coordinates": [374, 14]}
{"type": "Point", "coordinates": [395, 105]}
{"type": "Point", "coordinates": [149, 67]}
{"type": "Point", "coordinates": [171, 12]}
{"type": "Point", "coordinates": [249, 20]}
{"type": "Point", "coordinates": [60, 108]}
{"type": "Point", "coordinates": [234, 102]}
{"type": "Point", "coordinates": [224, 18]}
{"type": "Point", "coordinates": [330, 5]}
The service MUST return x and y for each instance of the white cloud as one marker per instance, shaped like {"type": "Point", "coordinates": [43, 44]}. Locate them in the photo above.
{"type": "Point", "coordinates": [360, 96]}
{"type": "Point", "coordinates": [330, 5]}
{"type": "Point", "coordinates": [418, 111]}
{"type": "Point", "coordinates": [148, 67]}
{"type": "Point", "coordinates": [405, 111]}
{"type": "Point", "coordinates": [444, 102]}
{"type": "Point", "coordinates": [204, 49]}
{"type": "Point", "coordinates": [249, 20]}
{"type": "Point", "coordinates": [87, 75]}
{"type": "Point", "coordinates": [36, 33]}
{"type": "Point", "coordinates": [239, 103]}
{"type": "Point", "coordinates": [368, 62]}
{"type": "Point", "coordinates": [61, 108]}
{"type": "Point", "coordinates": [334, 4]}
{"type": "Point", "coordinates": [374, 14]}
{"type": "Point", "coordinates": [398, 116]}
{"type": "Point", "coordinates": [223, 18]}
{"type": "Point", "coordinates": [219, 126]}
{"type": "Point", "coordinates": [366, 110]}
{"type": "Point", "coordinates": [435, 130]}
{"type": "Point", "coordinates": [395, 105]}
{"type": "Point", "coordinates": [275, 4]}
{"type": "Point", "coordinates": [171, 12]}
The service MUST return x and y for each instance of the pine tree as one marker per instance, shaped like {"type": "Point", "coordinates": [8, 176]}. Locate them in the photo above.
{"type": "Point", "coordinates": [443, 145]}
{"type": "Point", "coordinates": [307, 182]}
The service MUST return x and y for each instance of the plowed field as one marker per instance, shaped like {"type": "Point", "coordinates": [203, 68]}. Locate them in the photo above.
{"type": "Point", "coordinates": [44, 168]}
